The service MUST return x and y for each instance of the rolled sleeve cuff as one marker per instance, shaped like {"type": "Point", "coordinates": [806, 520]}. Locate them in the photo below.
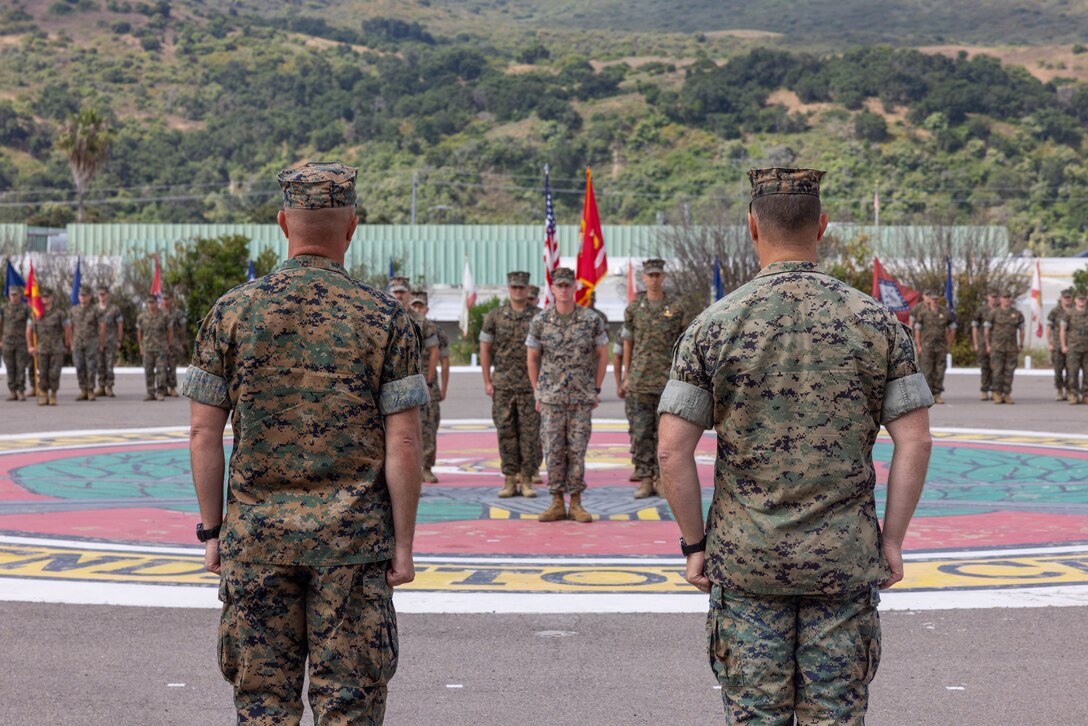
{"type": "Point", "coordinates": [987, 325]}
{"type": "Point", "coordinates": [689, 402]}
{"type": "Point", "coordinates": [617, 349]}
{"type": "Point", "coordinates": [532, 342]}
{"type": "Point", "coordinates": [904, 395]}
{"type": "Point", "coordinates": [487, 338]}
{"type": "Point", "coordinates": [206, 388]}
{"type": "Point", "coordinates": [403, 394]}
{"type": "Point", "coordinates": [431, 342]}
{"type": "Point", "coordinates": [601, 340]}
{"type": "Point", "coordinates": [625, 334]}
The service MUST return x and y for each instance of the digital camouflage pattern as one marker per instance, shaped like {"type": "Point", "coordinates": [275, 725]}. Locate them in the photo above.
{"type": "Point", "coordinates": [318, 185]}
{"type": "Point", "coordinates": [430, 438]}
{"type": "Point", "coordinates": [777, 656]}
{"type": "Point", "coordinates": [933, 327]}
{"type": "Point", "coordinates": [86, 320]}
{"type": "Point", "coordinates": [785, 181]}
{"type": "Point", "coordinates": [983, 316]}
{"type": "Point", "coordinates": [1004, 326]}
{"type": "Point", "coordinates": [1076, 337]}
{"type": "Point", "coordinates": [564, 434]}
{"type": "Point", "coordinates": [1057, 358]}
{"type": "Point", "coordinates": [795, 371]}
{"type": "Point", "coordinates": [568, 364]}
{"type": "Point", "coordinates": [111, 315]}
{"type": "Point", "coordinates": [50, 346]}
{"type": "Point", "coordinates": [175, 353]}
{"type": "Point", "coordinates": [309, 361]}
{"type": "Point", "coordinates": [154, 327]}
{"type": "Point", "coordinates": [13, 323]}
{"type": "Point", "coordinates": [427, 416]}
{"type": "Point", "coordinates": [513, 407]}
{"type": "Point", "coordinates": [273, 614]}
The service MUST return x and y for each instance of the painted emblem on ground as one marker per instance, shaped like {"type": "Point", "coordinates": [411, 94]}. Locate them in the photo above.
{"type": "Point", "coordinates": [1000, 510]}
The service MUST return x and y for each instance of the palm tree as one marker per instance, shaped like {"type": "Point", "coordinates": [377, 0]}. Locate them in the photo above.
{"type": "Point", "coordinates": [85, 139]}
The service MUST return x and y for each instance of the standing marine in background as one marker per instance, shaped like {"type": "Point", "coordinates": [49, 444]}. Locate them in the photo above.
{"type": "Point", "coordinates": [428, 333]}
{"type": "Point", "coordinates": [86, 339]}
{"type": "Point", "coordinates": [1004, 341]}
{"type": "Point", "coordinates": [1074, 343]}
{"type": "Point", "coordinates": [111, 343]}
{"type": "Point", "coordinates": [978, 342]}
{"type": "Point", "coordinates": [538, 449]}
{"type": "Point", "coordinates": [175, 354]}
{"type": "Point", "coordinates": [652, 324]}
{"type": "Point", "coordinates": [437, 391]}
{"type": "Point", "coordinates": [934, 332]}
{"type": "Point", "coordinates": [502, 344]}
{"type": "Point", "coordinates": [155, 336]}
{"type": "Point", "coordinates": [50, 330]}
{"type": "Point", "coordinates": [14, 319]}
{"type": "Point", "coordinates": [1053, 343]}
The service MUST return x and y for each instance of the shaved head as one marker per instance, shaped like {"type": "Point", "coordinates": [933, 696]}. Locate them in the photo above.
{"type": "Point", "coordinates": [326, 232]}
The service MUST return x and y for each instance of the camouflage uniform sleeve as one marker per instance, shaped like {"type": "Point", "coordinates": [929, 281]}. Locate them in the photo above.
{"type": "Point", "coordinates": [487, 330]}
{"type": "Point", "coordinates": [628, 331]}
{"type": "Point", "coordinates": [600, 333]}
{"type": "Point", "coordinates": [205, 380]}
{"type": "Point", "coordinates": [688, 392]}
{"type": "Point", "coordinates": [402, 385]}
{"type": "Point", "coordinates": [1019, 319]}
{"type": "Point", "coordinates": [430, 339]}
{"type": "Point", "coordinates": [533, 341]}
{"type": "Point", "coordinates": [906, 389]}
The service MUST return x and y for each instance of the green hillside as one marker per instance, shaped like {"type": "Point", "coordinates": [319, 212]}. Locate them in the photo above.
{"type": "Point", "coordinates": [208, 100]}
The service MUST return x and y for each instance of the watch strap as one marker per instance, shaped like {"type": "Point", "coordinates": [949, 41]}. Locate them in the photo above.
{"type": "Point", "coordinates": [690, 549]}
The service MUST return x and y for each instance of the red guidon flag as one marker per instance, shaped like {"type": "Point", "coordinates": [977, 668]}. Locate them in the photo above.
{"type": "Point", "coordinates": [33, 293]}
{"type": "Point", "coordinates": [592, 262]}
{"type": "Point", "coordinates": [889, 291]}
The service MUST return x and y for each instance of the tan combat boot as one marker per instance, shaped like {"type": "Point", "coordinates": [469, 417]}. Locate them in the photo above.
{"type": "Point", "coordinates": [509, 488]}
{"type": "Point", "coordinates": [90, 394]}
{"type": "Point", "coordinates": [645, 489]}
{"type": "Point", "coordinates": [536, 478]}
{"type": "Point", "coordinates": [22, 395]}
{"type": "Point", "coordinates": [429, 477]}
{"type": "Point", "coordinates": [1061, 395]}
{"type": "Point", "coordinates": [109, 391]}
{"type": "Point", "coordinates": [52, 398]}
{"type": "Point", "coordinates": [173, 393]}
{"type": "Point", "coordinates": [1008, 398]}
{"type": "Point", "coordinates": [13, 397]}
{"type": "Point", "coordinates": [998, 398]}
{"type": "Point", "coordinates": [577, 513]}
{"type": "Point", "coordinates": [634, 477]}
{"type": "Point", "coordinates": [937, 398]}
{"type": "Point", "coordinates": [43, 398]}
{"type": "Point", "coordinates": [82, 395]}
{"type": "Point", "coordinates": [984, 396]}
{"type": "Point", "coordinates": [525, 485]}
{"type": "Point", "coordinates": [150, 397]}
{"type": "Point", "coordinates": [100, 391]}
{"type": "Point", "coordinates": [556, 511]}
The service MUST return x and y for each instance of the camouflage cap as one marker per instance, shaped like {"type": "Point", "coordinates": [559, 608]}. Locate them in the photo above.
{"type": "Point", "coordinates": [419, 296]}
{"type": "Point", "coordinates": [653, 264]}
{"type": "Point", "coordinates": [103, 288]}
{"type": "Point", "coordinates": [933, 293]}
{"type": "Point", "coordinates": [84, 292]}
{"type": "Point", "coordinates": [153, 298]}
{"type": "Point", "coordinates": [563, 274]}
{"type": "Point", "coordinates": [1007, 293]}
{"type": "Point", "coordinates": [534, 291]}
{"type": "Point", "coordinates": [45, 291]}
{"type": "Point", "coordinates": [785, 181]}
{"type": "Point", "coordinates": [399, 284]}
{"type": "Point", "coordinates": [1081, 294]}
{"type": "Point", "coordinates": [1068, 292]}
{"type": "Point", "coordinates": [517, 279]}
{"type": "Point", "coordinates": [318, 185]}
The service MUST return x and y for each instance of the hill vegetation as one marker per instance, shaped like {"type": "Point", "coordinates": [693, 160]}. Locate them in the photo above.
{"type": "Point", "coordinates": [207, 100]}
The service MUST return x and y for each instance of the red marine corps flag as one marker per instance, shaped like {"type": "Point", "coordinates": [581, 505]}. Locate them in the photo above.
{"type": "Point", "coordinates": [887, 290]}
{"type": "Point", "coordinates": [592, 262]}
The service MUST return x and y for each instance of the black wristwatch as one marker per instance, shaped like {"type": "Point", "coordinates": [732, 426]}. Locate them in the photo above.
{"type": "Point", "coordinates": [598, 391]}
{"type": "Point", "coordinates": [206, 534]}
{"type": "Point", "coordinates": [690, 549]}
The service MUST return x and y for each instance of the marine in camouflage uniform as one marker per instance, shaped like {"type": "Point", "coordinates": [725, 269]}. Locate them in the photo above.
{"type": "Point", "coordinates": [1074, 343]}
{"type": "Point", "coordinates": [795, 371]}
{"type": "Point", "coordinates": [175, 354]}
{"type": "Point", "coordinates": [314, 368]}
{"type": "Point", "coordinates": [652, 324]}
{"type": "Point", "coordinates": [1053, 332]}
{"type": "Point", "coordinates": [978, 342]}
{"type": "Point", "coordinates": [114, 321]}
{"type": "Point", "coordinates": [1004, 333]}
{"type": "Point", "coordinates": [934, 330]}
{"type": "Point", "coordinates": [88, 333]}
{"type": "Point", "coordinates": [513, 409]}
{"type": "Point", "coordinates": [155, 333]}
{"type": "Point", "coordinates": [568, 356]}
{"type": "Point", "coordinates": [14, 319]}
{"type": "Point", "coordinates": [50, 331]}
{"type": "Point", "coordinates": [436, 389]}
{"type": "Point", "coordinates": [429, 413]}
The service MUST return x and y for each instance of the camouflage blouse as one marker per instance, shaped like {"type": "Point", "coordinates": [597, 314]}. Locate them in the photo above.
{"type": "Point", "coordinates": [310, 361]}
{"type": "Point", "coordinates": [506, 330]}
{"type": "Point", "coordinates": [568, 363]}
{"type": "Point", "coordinates": [1004, 325]}
{"type": "Point", "coordinates": [653, 329]}
{"type": "Point", "coordinates": [795, 371]}
{"type": "Point", "coordinates": [85, 322]}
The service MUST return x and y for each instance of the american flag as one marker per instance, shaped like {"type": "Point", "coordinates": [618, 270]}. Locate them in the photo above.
{"type": "Point", "coordinates": [551, 244]}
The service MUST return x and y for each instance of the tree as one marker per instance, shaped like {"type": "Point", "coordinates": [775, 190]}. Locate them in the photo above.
{"type": "Point", "coordinates": [85, 140]}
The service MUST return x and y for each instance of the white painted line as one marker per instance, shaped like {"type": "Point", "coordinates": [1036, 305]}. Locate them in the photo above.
{"type": "Point", "coordinates": [175, 685]}
{"type": "Point", "coordinates": [454, 685]}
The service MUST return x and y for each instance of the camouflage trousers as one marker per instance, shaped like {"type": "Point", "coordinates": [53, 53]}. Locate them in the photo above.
{"type": "Point", "coordinates": [85, 359]}
{"type": "Point", "coordinates": [49, 366]}
{"type": "Point", "coordinates": [987, 373]}
{"type": "Point", "coordinates": [1058, 361]}
{"type": "Point", "coordinates": [564, 433]}
{"type": "Point", "coordinates": [1002, 364]}
{"type": "Point", "coordinates": [155, 371]}
{"type": "Point", "coordinates": [430, 418]}
{"type": "Point", "coordinates": [518, 426]}
{"type": "Point", "coordinates": [1078, 370]}
{"type": "Point", "coordinates": [106, 361]}
{"type": "Point", "coordinates": [173, 356]}
{"type": "Point", "coordinates": [642, 418]}
{"type": "Point", "coordinates": [933, 361]}
{"type": "Point", "coordinates": [777, 657]}
{"type": "Point", "coordinates": [341, 617]}
{"type": "Point", "coordinates": [16, 361]}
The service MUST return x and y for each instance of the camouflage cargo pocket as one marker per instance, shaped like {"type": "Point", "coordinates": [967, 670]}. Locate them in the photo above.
{"type": "Point", "coordinates": [227, 648]}
{"type": "Point", "coordinates": [720, 631]}
{"type": "Point", "coordinates": [378, 647]}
